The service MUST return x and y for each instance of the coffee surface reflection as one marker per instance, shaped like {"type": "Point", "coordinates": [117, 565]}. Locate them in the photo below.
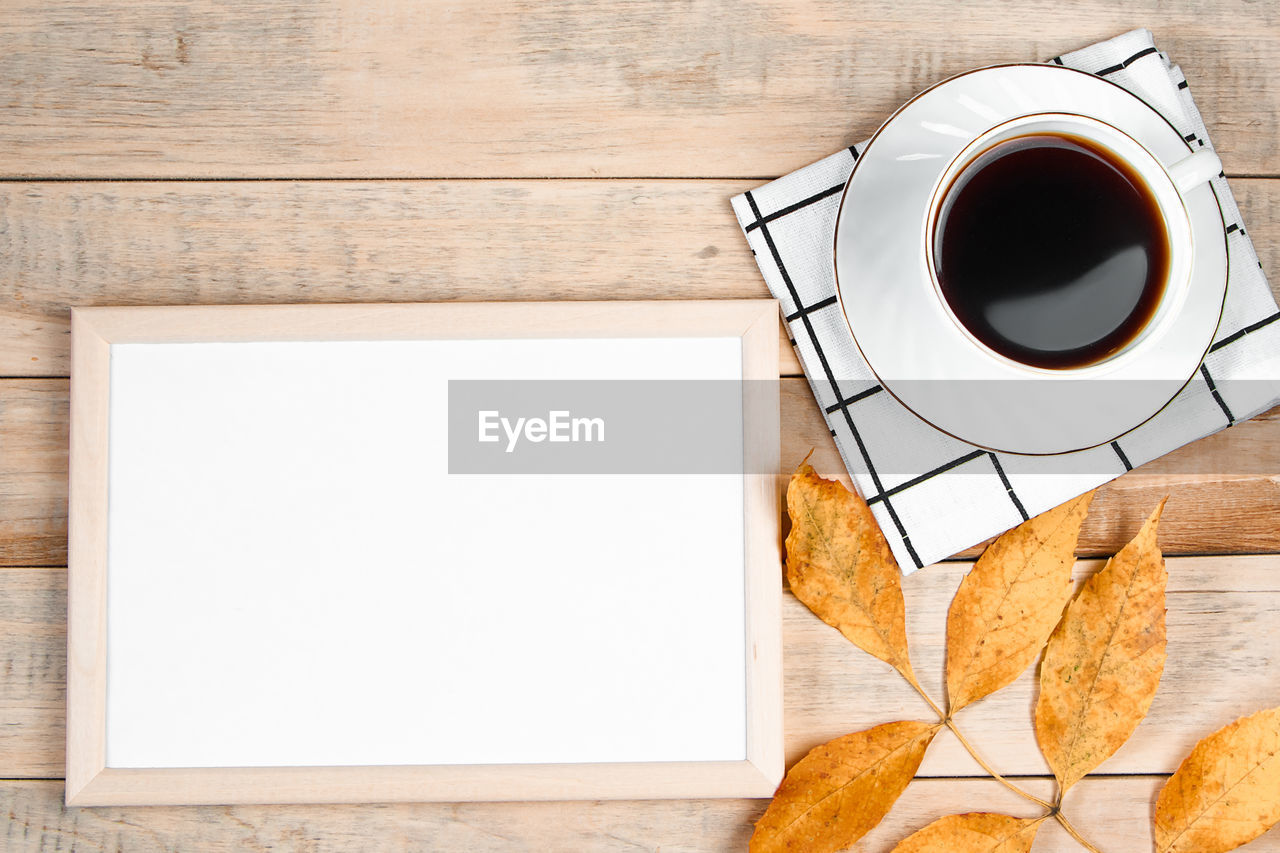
{"type": "Point", "coordinates": [1051, 251]}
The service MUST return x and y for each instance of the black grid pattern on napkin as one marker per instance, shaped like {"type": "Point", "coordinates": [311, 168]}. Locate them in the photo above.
{"type": "Point", "coordinates": [798, 315]}
{"type": "Point", "coordinates": [844, 403]}
{"type": "Point", "coordinates": [801, 312]}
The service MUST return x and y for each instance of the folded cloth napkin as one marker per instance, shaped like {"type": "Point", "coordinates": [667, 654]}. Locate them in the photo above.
{"type": "Point", "coordinates": [933, 494]}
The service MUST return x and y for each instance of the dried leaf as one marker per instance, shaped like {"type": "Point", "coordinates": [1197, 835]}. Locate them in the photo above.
{"type": "Point", "coordinates": [1103, 663]}
{"type": "Point", "coordinates": [839, 791]}
{"type": "Point", "coordinates": [978, 832]}
{"type": "Point", "coordinates": [1227, 791]}
{"type": "Point", "coordinates": [1010, 601]}
{"type": "Point", "coordinates": [840, 566]}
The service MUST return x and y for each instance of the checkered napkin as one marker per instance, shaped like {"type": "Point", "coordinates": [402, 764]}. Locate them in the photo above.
{"type": "Point", "coordinates": [933, 494]}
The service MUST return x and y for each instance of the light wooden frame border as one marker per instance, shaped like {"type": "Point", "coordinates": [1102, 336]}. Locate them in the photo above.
{"type": "Point", "coordinates": [93, 331]}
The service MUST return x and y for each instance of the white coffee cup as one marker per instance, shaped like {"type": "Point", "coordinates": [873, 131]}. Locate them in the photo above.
{"type": "Point", "coordinates": [904, 327]}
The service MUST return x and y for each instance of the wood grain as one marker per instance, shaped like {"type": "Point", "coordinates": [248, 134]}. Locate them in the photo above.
{"type": "Point", "coordinates": [565, 88]}
{"type": "Point", "coordinates": [1227, 475]}
{"type": "Point", "coordinates": [73, 244]}
{"type": "Point", "coordinates": [33, 674]}
{"type": "Point", "coordinates": [64, 245]}
{"type": "Point", "coordinates": [1221, 652]}
{"type": "Point", "coordinates": [34, 434]}
{"type": "Point", "coordinates": [1111, 811]}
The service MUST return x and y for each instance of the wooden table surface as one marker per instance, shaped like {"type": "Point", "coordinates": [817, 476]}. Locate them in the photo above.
{"type": "Point", "coordinates": [345, 150]}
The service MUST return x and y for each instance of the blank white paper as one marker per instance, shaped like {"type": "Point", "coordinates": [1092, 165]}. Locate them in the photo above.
{"type": "Point", "coordinates": [295, 579]}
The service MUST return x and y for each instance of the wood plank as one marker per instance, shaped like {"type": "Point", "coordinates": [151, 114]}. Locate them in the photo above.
{"type": "Point", "coordinates": [1223, 649]}
{"type": "Point", "coordinates": [1230, 475]}
{"type": "Point", "coordinates": [1223, 655]}
{"type": "Point", "coordinates": [34, 435]}
{"type": "Point", "coordinates": [65, 244]}
{"type": "Point", "coordinates": [427, 89]}
{"type": "Point", "coordinates": [1113, 812]}
{"type": "Point", "coordinates": [177, 244]}
{"type": "Point", "coordinates": [33, 675]}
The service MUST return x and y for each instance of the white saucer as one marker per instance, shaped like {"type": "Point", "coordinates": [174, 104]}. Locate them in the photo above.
{"type": "Point", "coordinates": [915, 347]}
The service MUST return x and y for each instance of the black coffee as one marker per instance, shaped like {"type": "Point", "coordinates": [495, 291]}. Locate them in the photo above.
{"type": "Point", "coordinates": [1050, 251]}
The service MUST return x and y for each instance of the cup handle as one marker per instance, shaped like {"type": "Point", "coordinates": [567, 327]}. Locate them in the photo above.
{"type": "Point", "coordinates": [1192, 171]}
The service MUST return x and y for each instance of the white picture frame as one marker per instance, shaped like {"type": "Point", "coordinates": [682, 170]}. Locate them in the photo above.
{"type": "Point", "coordinates": [104, 504]}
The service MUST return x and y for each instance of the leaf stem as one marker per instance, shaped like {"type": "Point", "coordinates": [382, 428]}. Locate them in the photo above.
{"type": "Point", "coordinates": [982, 762]}
{"type": "Point", "coordinates": [911, 679]}
{"type": "Point", "coordinates": [1071, 830]}
{"type": "Point", "coordinates": [1055, 809]}
{"type": "Point", "coordinates": [909, 675]}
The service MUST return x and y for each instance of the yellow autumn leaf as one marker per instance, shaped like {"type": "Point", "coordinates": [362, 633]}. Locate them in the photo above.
{"type": "Point", "coordinates": [840, 566]}
{"type": "Point", "coordinates": [1227, 791]}
{"type": "Point", "coordinates": [1102, 665]}
{"type": "Point", "coordinates": [839, 791]}
{"type": "Point", "coordinates": [1009, 603]}
{"type": "Point", "coordinates": [978, 832]}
